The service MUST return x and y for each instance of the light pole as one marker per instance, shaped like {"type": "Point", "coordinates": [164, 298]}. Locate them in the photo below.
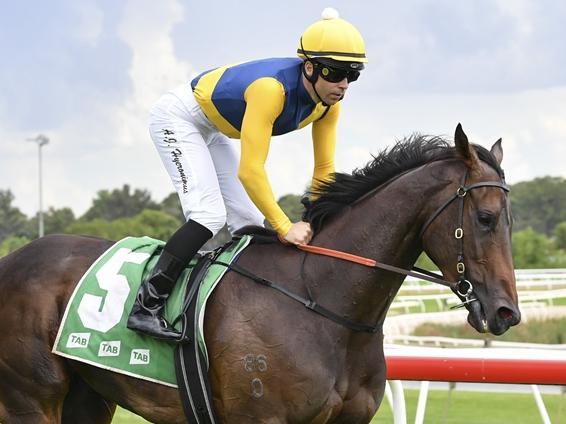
{"type": "Point", "coordinates": [41, 141]}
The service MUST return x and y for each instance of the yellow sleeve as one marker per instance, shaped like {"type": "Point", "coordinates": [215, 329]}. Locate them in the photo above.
{"type": "Point", "coordinates": [265, 99]}
{"type": "Point", "coordinates": [324, 144]}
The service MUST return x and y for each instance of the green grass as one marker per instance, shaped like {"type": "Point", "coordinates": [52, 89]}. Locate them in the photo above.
{"type": "Point", "coordinates": [550, 331]}
{"type": "Point", "coordinates": [458, 407]}
{"type": "Point", "coordinates": [123, 416]}
{"type": "Point", "coordinates": [559, 302]}
{"type": "Point", "coordinates": [462, 407]}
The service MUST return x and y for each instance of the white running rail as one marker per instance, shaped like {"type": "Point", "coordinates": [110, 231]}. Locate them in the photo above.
{"type": "Point", "coordinates": [536, 287]}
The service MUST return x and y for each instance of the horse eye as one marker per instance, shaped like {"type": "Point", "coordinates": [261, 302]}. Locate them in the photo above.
{"type": "Point", "coordinates": [487, 219]}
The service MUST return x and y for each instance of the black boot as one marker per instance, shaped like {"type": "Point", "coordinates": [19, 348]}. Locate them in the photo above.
{"type": "Point", "coordinates": [147, 312]}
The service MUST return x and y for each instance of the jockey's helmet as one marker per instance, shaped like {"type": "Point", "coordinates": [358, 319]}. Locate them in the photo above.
{"type": "Point", "coordinates": [333, 42]}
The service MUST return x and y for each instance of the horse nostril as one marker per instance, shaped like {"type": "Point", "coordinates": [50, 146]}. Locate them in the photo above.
{"type": "Point", "coordinates": [505, 313]}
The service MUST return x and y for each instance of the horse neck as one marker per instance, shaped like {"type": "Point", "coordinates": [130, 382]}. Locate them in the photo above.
{"type": "Point", "coordinates": [383, 226]}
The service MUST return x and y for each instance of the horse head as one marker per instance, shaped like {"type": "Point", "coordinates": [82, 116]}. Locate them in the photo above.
{"type": "Point", "coordinates": [469, 236]}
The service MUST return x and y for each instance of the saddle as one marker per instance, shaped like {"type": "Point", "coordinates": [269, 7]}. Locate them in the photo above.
{"type": "Point", "coordinates": [93, 329]}
{"type": "Point", "coordinates": [191, 361]}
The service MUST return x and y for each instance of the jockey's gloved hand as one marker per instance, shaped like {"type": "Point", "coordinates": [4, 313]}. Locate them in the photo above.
{"type": "Point", "coordinates": [300, 233]}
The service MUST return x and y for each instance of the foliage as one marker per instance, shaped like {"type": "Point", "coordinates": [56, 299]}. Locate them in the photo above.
{"type": "Point", "coordinates": [96, 227]}
{"type": "Point", "coordinates": [539, 204]}
{"type": "Point", "coordinates": [119, 203]}
{"type": "Point", "coordinates": [535, 250]}
{"type": "Point", "coordinates": [54, 221]}
{"type": "Point", "coordinates": [12, 221]}
{"type": "Point", "coordinates": [12, 243]}
{"type": "Point", "coordinates": [539, 209]}
{"type": "Point", "coordinates": [550, 331]}
{"type": "Point", "coordinates": [172, 205]}
{"type": "Point", "coordinates": [560, 235]}
{"type": "Point", "coordinates": [156, 224]}
{"type": "Point", "coordinates": [292, 206]}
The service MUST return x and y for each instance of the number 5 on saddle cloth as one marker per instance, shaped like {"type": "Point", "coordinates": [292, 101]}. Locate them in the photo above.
{"type": "Point", "coordinates": [93, 329]}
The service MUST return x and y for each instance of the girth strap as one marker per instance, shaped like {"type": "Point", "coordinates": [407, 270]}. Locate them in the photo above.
{"type": "Point", "coordinates": [308, 303]}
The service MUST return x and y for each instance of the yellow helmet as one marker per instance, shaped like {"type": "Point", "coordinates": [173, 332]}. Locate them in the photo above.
{"type": "Point", "coordinates": [332, 38]}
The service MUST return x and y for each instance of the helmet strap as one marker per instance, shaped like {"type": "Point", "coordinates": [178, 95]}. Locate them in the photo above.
{"type": "Point", "coordinates": [313, 79]}
{"type": "Point", "coordinates": [315, 73]}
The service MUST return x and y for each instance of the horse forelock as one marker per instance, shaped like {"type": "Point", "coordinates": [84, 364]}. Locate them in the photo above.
{"type": "Point", "coordinates": [343, 189]}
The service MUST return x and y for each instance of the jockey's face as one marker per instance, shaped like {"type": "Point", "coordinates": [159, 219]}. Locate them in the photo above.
{"type": "Point", "coordinates": [329, 92]}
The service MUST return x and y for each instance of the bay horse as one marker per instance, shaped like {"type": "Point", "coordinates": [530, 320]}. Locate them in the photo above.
{"type": "Point", "coordinates": [271, 359]}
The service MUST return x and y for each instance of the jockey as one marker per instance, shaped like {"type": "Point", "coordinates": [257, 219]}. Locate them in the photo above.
{"type": "Point", "coordinates": [191, 127]}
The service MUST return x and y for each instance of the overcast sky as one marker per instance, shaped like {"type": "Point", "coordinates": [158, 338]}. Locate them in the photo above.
{"type": "Point", "coordinates": [85, 74]}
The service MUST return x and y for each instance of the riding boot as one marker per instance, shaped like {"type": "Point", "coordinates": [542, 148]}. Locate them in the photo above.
{"type": "Point", "coordinates": [147, 313]}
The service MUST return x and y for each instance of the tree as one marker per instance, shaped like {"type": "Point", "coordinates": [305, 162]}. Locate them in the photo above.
{"type": "Point", "coordinates": [119, 203]}
{"type": "Point", "coordinates": [156, 224]}
{"type": "Point", "coordinates": [539, 204]}
{"type": "Point", "coordinates": [12, 221]}
{"type": "Point", "coordinates": [172, 206]}
{"type": "Point", "coordinates": [292, 206]}
{"type": "Point", "coordinates": [535, 250]}
{"type": "Point", "coordinates": [55, 220]}
{"type": "Point", "coordinates": [95, 227]}
{"type": "Point", "coordinates": [12, 243]}
{"type": "Point", "coordinates": [560, 235]}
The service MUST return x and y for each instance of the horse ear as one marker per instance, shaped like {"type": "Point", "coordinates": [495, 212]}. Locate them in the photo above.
{"type": "Point", "coordinates": [497, 151]}
{"type": "Point", "coordinates": [467, 151]}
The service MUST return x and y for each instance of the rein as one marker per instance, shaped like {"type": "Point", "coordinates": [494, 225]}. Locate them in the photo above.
{"type": "Point", "coordinates": [463, 287]}
{"type": "Point", "coordinates": [372, 263]}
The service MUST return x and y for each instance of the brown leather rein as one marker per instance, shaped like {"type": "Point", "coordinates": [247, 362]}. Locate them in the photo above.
{"type": "Point", "coordinates": [463, 287]}
{"type": "Point", "coordinates": [372, 263]}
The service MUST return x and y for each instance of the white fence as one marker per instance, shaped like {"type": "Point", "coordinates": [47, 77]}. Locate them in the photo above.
{"type": "Point", "coordinates": [443, 360]}
{"type": "Point", "coordinates": [536, 287]}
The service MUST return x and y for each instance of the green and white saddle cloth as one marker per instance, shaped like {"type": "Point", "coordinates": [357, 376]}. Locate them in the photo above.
{"type": "Point", "coordinates": [93, 329]}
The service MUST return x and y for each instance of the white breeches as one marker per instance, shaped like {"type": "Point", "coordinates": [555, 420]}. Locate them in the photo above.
{"type": "Point", "coordinates": [202, 163]}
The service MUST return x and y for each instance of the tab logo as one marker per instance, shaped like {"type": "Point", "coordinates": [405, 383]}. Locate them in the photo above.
{"type": "Point", "coordinates": [109, 348]}
{"type": "Point", "coordinates": [139, 357]}
{"type": "Point", "coordinates": [78, 340]}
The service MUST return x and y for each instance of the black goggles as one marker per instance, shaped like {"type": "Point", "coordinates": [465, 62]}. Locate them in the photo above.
{"type": "Point", "coordinates": [331, 74]}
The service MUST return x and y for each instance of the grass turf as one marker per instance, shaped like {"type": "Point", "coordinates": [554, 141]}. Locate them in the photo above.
{"type": "Point", "coordinates": [458, 407]}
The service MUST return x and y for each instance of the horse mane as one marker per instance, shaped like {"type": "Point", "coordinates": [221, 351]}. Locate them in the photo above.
{"type": "Point", "coordinates": [343, 189]}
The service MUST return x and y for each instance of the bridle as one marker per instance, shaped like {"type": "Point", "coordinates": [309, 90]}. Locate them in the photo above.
{"type": "Point", "coordinates": [463, 287]}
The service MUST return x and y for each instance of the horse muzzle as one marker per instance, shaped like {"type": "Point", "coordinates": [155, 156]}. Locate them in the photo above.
{"type": "Point", "coordinates": [496, 317]}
